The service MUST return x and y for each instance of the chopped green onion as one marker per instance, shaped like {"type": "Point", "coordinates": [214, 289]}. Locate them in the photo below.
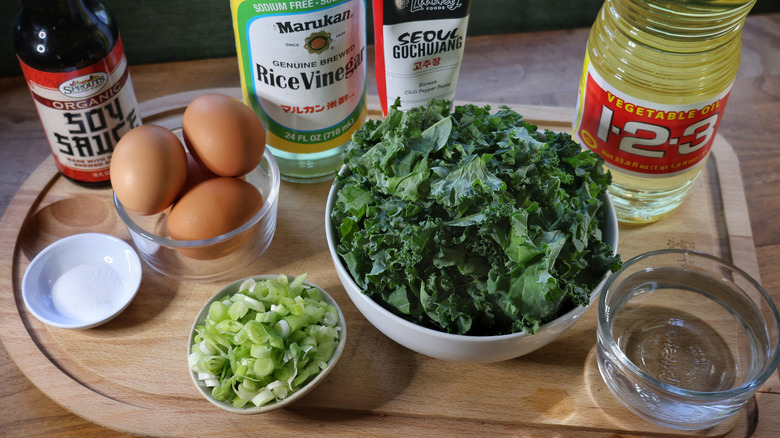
{"type": "Point", "coordinates": [280, 309]}
{"type": "Point", "coordinates": [264, 342]}
{"type": "Point", "coordinates": [269, 317]}
{"type": "Point", "coordinates": [228, 326]}
{"type": "Point", "coordinates": [218, 311]}
{"type": "Point", "coordinates": [264, 366]}
{"type": "Point", "coordinates": [238, 309]}
{"type": "Point", "coordinates": [247, 284]}
{"type": "Point", "coordinates": [298, 283]}
{"type": "Point", "coordinates": [206, 348]}
{"type": "Point", "coordinates": [326, 349]}
{"type": "Point", "coordinates": [279, 389]}
{"type": "Point", "coordinates": [263, 397]}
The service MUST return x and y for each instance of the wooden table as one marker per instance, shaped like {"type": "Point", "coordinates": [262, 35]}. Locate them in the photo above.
{"type": "Point", "coordinates": [530, 69]}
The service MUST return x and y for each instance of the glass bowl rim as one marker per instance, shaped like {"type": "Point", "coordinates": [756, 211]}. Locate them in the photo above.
{"type": "Point", "coordinates": [607, 341]}
{"type": "Point", "coordinates": [268, 204]}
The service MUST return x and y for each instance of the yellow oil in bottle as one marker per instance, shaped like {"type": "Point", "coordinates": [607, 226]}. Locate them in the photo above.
{"type": "Point", "coordinates": [662, 71]}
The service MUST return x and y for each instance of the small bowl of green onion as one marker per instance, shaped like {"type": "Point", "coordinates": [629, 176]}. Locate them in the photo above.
{"type": "Point", "coordinates": [263, 342]}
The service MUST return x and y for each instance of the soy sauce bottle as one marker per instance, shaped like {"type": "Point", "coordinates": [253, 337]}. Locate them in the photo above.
{"type": "Point", "coordinates": [74, 63]}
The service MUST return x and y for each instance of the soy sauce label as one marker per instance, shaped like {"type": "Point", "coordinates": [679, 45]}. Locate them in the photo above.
{"type": "Point", "coordinates": [84, 113]}
{"type": "Point", "coordinates": [642, 137]}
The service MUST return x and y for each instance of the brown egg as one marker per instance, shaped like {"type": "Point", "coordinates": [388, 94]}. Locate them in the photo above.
{"type": "Point", "coordinates": [148, 169]}
{"type": "Point", "coordinates": [196, 174]}
{"type": "Point", "coordinates": [223, 134]}
{"type": "Point", "coordinates": [212, 208]}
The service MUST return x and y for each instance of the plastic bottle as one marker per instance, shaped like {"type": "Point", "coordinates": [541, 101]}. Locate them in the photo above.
{"type": "Point", "coordinates": [419, 50]}
{"type": "Point", "coordinates": [656, 79]}
{"type": "Point", "coordinates": [303, 72]}
{"type": "Point", "coordinates": [75, 66]}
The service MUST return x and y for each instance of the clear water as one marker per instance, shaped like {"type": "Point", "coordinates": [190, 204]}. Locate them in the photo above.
{"type": "Point", "coordinates": [685, 333]}
{"type": "Point", "coordinates": [680, 349]}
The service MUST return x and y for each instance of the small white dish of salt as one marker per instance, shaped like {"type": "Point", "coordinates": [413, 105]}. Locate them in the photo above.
{"type": "Point", "coordinates": [81, 281]}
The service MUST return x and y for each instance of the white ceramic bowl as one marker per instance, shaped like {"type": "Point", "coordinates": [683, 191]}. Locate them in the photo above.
{"type": "Point", "coordinates": [226, 253]}
{"type": "Point", "coordinates": [81, 281]}
{"type": "Point", "coordinates": [231, 289]}
{"type": "Point", "coordinates": [460, 348]}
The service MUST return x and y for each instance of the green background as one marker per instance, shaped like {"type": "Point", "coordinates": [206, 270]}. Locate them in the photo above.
{"type": "Point", "coordinates": [160, 31]}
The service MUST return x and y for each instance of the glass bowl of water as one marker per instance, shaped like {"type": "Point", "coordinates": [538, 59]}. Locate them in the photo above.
{"type": "Point", "coordinates": [685, 339]}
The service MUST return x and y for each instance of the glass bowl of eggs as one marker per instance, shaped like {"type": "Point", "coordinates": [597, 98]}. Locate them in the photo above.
{"type": "Point", "coordinates": [205, 207]}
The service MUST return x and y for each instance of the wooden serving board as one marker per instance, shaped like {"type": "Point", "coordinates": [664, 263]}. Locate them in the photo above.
{"type": "Point", "coordinates": [131, 374]}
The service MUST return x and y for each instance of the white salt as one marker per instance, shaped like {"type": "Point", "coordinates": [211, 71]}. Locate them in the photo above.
{"type": "Point", "coordinates": [87, 292]}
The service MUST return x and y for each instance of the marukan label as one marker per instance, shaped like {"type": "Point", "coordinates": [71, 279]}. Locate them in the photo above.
{"type": "Point", "coordinates": [303, 69]}
{"type": "Point", "coordinates": [641, 137]}
{"type": "Point", "coordinates": [84, 113]}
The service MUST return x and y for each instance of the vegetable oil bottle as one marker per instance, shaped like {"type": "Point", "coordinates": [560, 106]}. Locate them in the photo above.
{"type": "Point", "coordinates": [655, 82]}
{"type": "Point", "coordinates": [74, 64]}
{"type": "Point", "coordinates": [303, 72]}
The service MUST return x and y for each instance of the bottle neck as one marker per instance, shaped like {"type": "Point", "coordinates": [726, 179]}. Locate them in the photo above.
{"type": "Point", "coordinates": [685, 24]}
{"type": "Point", "coordinates": [58, 35]}
{"type": "Point", "coordinates": [48, 5]}
{"type": "Point", "coordinates": [64, 8]}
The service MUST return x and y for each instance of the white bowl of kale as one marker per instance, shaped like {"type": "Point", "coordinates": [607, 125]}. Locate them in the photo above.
{"type": "Point", "coordinates": [467, 235]}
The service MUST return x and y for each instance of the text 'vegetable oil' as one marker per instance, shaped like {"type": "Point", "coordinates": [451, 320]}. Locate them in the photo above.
{"type": "Point", "coordinates": [656, 80]}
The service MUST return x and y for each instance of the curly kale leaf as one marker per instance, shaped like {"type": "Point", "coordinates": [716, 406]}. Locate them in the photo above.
{"type": "Point", "coordinates": [470, 222]}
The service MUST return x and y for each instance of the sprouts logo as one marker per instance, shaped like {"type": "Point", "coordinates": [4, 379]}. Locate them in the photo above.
{"type": "Point", "coordinates": [431, 5]}
{"type": "Point", "coordinates": [84, 86]}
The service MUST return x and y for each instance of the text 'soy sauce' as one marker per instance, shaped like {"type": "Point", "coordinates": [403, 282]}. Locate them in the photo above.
{"type": "Point", "coordinates": [75, 67]}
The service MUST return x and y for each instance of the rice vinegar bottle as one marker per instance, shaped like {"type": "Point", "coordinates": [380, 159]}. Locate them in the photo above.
{"type": "Point", "coordinates": [303, 72]}
{"type": "Point", "coordinates": [655, 82]}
